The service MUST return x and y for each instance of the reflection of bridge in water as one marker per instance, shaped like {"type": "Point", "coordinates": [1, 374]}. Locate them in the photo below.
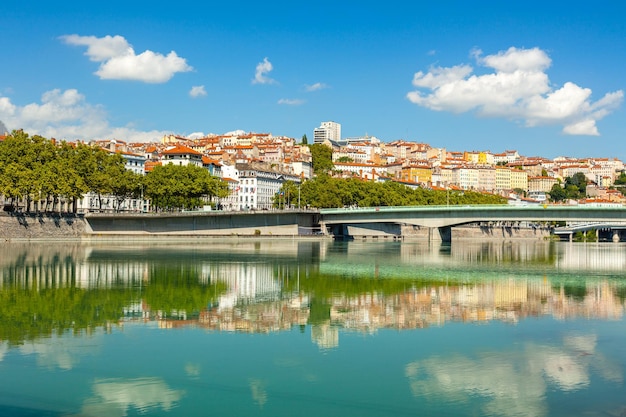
{"type": "Point", "coordinates": [438, 221]}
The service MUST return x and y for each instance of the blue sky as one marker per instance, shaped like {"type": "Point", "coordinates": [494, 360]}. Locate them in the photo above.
{"type": "Point", "coordinates": [544, 78]}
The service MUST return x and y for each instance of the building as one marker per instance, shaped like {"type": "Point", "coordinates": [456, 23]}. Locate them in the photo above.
{"type": "Point", "coordinates": [181, 155]}
{"type": "Point", "coordinates": [327, 131]}
{"type": "Point", "coordinates": [258, 186]}
{"type": "Point", "coordinates": [541, 184]}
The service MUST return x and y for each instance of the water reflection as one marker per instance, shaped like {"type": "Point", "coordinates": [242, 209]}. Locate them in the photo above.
{"type": "Point", "coordinates": [512, 383]}
{"type": "Point", "coordinates": [268, 287]}
{"type": "Point", "coordinates": [116, 397]}
{"type": "Point", "coordinates": [102, 317]}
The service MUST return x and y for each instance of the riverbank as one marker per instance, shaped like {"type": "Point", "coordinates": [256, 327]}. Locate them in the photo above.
{"type": "Point", "coordinates": [41, 226]}
{"type": "Point", "coordinates": [55, 226]}
{"type": "Point", "coordinates": [67, 226]}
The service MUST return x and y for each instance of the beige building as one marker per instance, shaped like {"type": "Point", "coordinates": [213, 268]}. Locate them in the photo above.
{"type": "Point", "coordinates": [519, 179]}
{"type": "Point", "coordinates": [503, 178]}
{"type": "Point", "coordinates": [486, 178]}
{"type": "Point", "coordinates": [540, 183]}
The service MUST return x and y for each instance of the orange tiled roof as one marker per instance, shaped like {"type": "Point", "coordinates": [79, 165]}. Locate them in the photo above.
{"type": "Point", "coordinates": [179, 149]}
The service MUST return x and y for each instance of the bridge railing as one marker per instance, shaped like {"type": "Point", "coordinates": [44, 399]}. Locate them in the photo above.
{"type": "Point", "coordinates": [457, 207]}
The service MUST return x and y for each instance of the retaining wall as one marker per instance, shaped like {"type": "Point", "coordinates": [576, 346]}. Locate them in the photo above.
{"type": "Point", "coordinates": [41, 226]}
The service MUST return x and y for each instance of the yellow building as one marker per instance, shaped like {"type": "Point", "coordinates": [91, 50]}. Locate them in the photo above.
{"type": "Point", "coordinates": [417, 173]}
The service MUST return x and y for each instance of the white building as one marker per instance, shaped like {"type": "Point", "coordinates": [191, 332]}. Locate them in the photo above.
{"type": "Point", "coordinates": [327, 131]}
{"type": "Point", "coordinates": [254, 188]}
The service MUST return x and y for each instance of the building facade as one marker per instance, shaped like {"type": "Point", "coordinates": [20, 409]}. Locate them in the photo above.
{"type": "Point", "coordinates": [327, 131]}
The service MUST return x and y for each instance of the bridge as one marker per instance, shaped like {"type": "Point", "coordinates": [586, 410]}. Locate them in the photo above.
{"type": "Point", "coordinates": [438, 221]}
{"type": "Point", "coordinates": [434, 223]}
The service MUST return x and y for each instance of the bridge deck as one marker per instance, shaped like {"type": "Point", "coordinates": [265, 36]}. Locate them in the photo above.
{"type": "Point", "coordinates": [444, 216]}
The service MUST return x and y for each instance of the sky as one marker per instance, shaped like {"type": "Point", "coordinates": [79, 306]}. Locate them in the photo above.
{"type": "Point", "coordinates": [543, 78]}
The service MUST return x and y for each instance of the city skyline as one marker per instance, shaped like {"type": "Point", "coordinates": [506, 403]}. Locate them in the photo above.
{"type": "Point", "coordinates": [532, 77]}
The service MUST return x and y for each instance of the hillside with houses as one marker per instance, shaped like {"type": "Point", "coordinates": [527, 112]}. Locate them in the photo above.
{"type": "Point", "coordinates": [256, 166]}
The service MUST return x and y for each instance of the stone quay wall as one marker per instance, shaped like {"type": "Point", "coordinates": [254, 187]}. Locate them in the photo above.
{"type": "Point", "coordinates": [50, 226]}
{"type": "Point", "coordinates": [41, 226]}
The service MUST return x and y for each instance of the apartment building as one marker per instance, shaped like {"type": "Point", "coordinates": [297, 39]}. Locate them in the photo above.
{"type": "Point", "coordinates": [327, 131]}
{"type": "Point", "coordinates": [258, 186]}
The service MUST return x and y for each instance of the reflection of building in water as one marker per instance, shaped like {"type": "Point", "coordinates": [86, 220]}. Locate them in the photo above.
{"type": "Point", "coordinates": [507, 300]}
{"type": "Point", "coordinates": [256, 301]}
{"type": "Point", "coordinates": [325, 336]}
{"type": "Point", "coordinates": [258, 318]}
{"type": "Point", "coordinates": [603, 257]}
{"type": "Point", "coordinates": [246, 282]}
{"type": "Point", "coordinates": [107, 274]}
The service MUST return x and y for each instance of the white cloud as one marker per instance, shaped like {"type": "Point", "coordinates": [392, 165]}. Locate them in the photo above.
{"type": "Point", "coordinates": [262, 69]}
{"type": "Point", "coordinates": [518, 88]}
{"type": "Point", "coordinates": [118, 60]}
{"type": "Point", "coordinates": [196, 135]}
{"type": "Point", "coordinates": [66, 115]}
{"type": "Point", "coordinates": [197, 91]}
{"type": "Point", "coordinates": [291, 101]}
{"type": "Point", "coordinates": [314, 87]}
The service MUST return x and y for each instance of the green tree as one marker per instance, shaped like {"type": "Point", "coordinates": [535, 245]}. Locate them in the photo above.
{"type": "Point", "coordinates": [128, 185]}
{"type": "Point", "coordinates": [173, 187]}
{"type": "Point", "coordinates": [327, 192]}
{"type": "Point", "coordinates": [557, 193]}
{"type": "Point", "coordinates": [620, 183]}
{"type": "Point", "coordinates": [287, 196]}
{"type": "Point", "coordinates": [305, 141]}
{"type": "Point", "coordinates": [322, 157]}
{"type": "Point", "coordinates": [577, 184]}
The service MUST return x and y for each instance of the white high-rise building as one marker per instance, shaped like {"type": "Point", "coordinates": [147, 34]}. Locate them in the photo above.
{"type": "Point", "coordinates": [327, 130]}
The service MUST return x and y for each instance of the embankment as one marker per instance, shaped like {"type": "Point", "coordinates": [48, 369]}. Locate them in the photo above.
{"type": "Point", "coordinates": [41, 226]}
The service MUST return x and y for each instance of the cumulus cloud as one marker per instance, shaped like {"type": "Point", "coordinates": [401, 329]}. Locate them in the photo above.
{"type": "Point", "coordinates": [291, 101]}
{"type": "Point", "coordinates": [517, 88]}
{"type": "Point", "coordinates": [314, 87]}
{"type": "Point", "coordinates": [262, 69]}
{"type": "Point", "coordinates": [118, 60]}
{"type": "Point", "coordinates": [67, 115]}
{"type": "Point", "coordinates": [197, 91]}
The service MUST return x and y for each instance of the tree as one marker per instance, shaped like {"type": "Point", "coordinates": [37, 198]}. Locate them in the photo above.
{"type": "Point", "coordinates": [579, 184]}
{"type": "Point", "coordinates": [305, 141]}
{"type": "Point", "coordinates": [174, 187]}
{"type": "Point", "coordinates": [322, 157]}
{"type": "Point", "coordinates": [557, 193]}
{"type": "Point", "coordinates": [620, 183]}
{"type": "Point", "coordinates": [345, 159]}
{"type": "Point", "coordinates": [128, 185]}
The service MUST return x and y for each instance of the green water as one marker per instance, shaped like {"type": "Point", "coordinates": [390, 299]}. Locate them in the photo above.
{"type": "Point", "coordinates": [312, 328]}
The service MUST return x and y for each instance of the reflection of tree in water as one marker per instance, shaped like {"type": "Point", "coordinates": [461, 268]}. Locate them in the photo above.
{"type": "Point", "coordinates": [40, 297]}
{"type": "Point", "coordinates": [180, 288]}
{"type": "Point", "coordinates": [30, 313]}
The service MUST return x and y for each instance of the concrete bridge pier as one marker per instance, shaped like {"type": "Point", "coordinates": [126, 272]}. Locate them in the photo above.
{"type": "Point", "coordinates": [440, 234]}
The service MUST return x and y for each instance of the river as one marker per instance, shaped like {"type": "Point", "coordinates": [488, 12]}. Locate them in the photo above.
{"type": "Point", "coordinates": [312, 328]}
